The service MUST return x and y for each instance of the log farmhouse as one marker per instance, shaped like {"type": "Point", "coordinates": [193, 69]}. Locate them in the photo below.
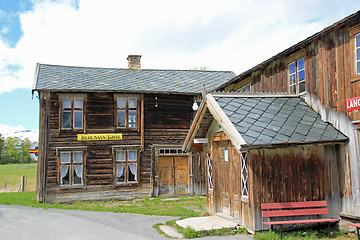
{"type": "Point", "coordinates": [116, 134]}
{"type": "Point", "coordinates": [286, 130]}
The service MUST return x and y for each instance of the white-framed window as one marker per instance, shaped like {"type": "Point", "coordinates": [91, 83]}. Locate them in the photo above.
{"type": "Point", "coordinates": [71, 168]}
{"type": "Point", "coordinates": [126, 167]}
{"type": "Point", "coordinates": [244, 175]}
{"type": "Point", "coordinates": [357, 54]}
{"type": "Point", "coordinates": [297, 81]}
{"type": "Point", "coordinates": [126, 111]}
{"type": "Point", "coordinates": [72, 112]}
{"type": "Point", "coordinates": [210, 171]}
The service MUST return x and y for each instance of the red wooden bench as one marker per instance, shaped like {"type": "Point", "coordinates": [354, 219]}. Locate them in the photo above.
{"type": "Point", "coordinates": [357, 225]}
{"type": "Point", "coordinates": [293, 209]}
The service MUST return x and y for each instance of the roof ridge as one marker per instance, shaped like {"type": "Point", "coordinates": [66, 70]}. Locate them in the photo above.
{"type": "Point", "coordinates": [127, 69]}
{"type": "Point", "coordinates": [253, 94]}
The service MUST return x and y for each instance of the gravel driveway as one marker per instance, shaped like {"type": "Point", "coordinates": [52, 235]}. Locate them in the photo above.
{"type": "Point", "coordinates": [25, 223]}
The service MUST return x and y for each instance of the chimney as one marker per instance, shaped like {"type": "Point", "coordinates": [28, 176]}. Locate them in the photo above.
{"type": "Point", "coordinates": [134, 62]}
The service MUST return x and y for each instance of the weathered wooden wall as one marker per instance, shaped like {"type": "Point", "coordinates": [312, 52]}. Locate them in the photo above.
{"type": "Point", "coordinates": [296, 173]}
{"type": "Point", "coordinates": [166, 121]}
{"type": "Point", "coordinates": [330, 80]}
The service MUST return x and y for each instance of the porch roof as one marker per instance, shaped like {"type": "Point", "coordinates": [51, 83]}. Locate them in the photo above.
{"type": "Point", "coordinates": [254, 120]}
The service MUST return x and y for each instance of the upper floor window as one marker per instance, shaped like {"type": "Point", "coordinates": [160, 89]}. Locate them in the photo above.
{"type": "Point", "coordinates": [72, 113]}
{"type": "Point", "coordinates": [126, 165]}
{"type": "Point", "coordinates": [127, 111]}
{"type": "Point", "coordinates": [357, 54]}
{"type": "Point", "coordinates": [71, 168]}
{"type": "Point", "coordinates": [297, 76]}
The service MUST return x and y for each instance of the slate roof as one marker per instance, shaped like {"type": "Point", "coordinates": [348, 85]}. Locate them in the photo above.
{"type": "Point", "coordinates": [63, 78]}
{"type": "Point", "coordinates": [277, 120]}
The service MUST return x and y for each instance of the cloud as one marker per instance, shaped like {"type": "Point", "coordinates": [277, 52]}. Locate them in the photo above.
{"type": "Point", "coordinates": [228, 35]}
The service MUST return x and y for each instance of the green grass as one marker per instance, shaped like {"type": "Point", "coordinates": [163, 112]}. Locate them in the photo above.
{"type": "Point", "coordinates": [11, 174]}
{"type": "Point", "coordinates": [305, 234]}
{"type": "Point", "coordinates": [184, 207]}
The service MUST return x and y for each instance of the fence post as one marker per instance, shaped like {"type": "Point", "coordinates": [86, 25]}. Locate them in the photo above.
{"type": "Point", "coordinates": [22, 183]}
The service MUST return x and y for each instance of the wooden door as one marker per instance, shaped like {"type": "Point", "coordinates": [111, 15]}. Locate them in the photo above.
{"type": "Point", "coordinates": [173, 174]}
{"type": "Point", "coordinates": [226, 186]}
{"type": "Point", "coordinates": [166, 183]}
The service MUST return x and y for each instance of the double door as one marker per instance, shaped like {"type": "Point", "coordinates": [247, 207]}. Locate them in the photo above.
{"type": "Point", "coordinates": [173, 175]}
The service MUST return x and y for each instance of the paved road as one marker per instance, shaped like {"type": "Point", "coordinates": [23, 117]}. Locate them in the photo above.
{"type": "Point", "coordinates": [24, 223]}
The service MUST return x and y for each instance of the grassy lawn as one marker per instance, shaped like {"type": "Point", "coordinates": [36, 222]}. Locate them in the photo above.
{"type": "Point", "coordinates": [11, 174]}
{"type": "Point", "coordinates": [184, 207]}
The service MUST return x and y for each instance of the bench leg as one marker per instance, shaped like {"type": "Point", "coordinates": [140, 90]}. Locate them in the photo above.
{"type": "Point", "coordinates": [357, 231]}
{"type": "Point", "coordinates": [281, 232]}
{"type": "Point", "coordinates": [329, 230]}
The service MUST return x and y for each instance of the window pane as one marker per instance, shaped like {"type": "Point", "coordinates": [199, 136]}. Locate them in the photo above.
{"type": "Point", "coordinates": [292, 79]}
{"type": "Point", "coordinates": [132, 172]}
{"type": "Point", "coordinates": [65, 157]}
{"type": "Point", "coordinates": [132, 155]}
{"type": "Point", "coordinates": [132, 102]}
{"type": "Point", "coordinates": [357, 39]}
{"type": "Point", "coordinates": [78, 103]}
{"type": "Point", "coordinates": [301, 75]}
{"type": "Point", "coordinates": [358, 67]}
{"type": "Point", "coordinates": [120, 155]}
{"type": "Point", "coordinates": [78, 119]}
{"type": "Point", "coordinates": [121, 102]}
{"type": "Point", "coordinates": [358, 54]}
{"type": "Point", "coordinates": [66, 119]}
{"type": "Point", "coordinates": [302, 87]}
{"type": "Point", "coordinates": [77, 173]}
{"type": "Point", "coordinates": [121, 118]}
{"type": "Point", "coordinates": [132, 118]}
{"type": "Point", "coordinates": [301, 64]}
{"type": "Point", "coordinates": [291, 68]}
{"type": "Point", "coordinates": [293, 88]}
{"type": "Point", "coordinates": [64, 175]}
{"type": "Point", "coordinates": [120, 172]}
{"type": "Point", "coordinates": [67, 103]}
{"type": "Point", "coordinates": [78, 157]}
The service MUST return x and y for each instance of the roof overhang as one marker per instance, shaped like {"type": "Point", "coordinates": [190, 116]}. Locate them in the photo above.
{"type": "Point", "coordinates": [209, 103]}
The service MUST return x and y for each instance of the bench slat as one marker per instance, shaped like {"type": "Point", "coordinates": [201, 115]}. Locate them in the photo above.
{"type": "Point", "coordinates": [301, 221]}
{"type": "Point", "coordinates": [296, 212]}
{"type": "Point", "coordinates": [268, 206]}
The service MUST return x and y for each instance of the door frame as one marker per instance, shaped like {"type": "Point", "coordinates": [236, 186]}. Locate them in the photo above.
{"type": "Point", "coordinates": [158, 151]}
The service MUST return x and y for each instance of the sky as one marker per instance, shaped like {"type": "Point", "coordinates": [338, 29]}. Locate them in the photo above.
{"type": "Point", "coordinates": [231, 35]}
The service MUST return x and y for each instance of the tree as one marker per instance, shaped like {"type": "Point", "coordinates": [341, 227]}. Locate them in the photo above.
{"type": "Point", "coordinates": [16, 150]}
{"type": "Point", "coordinates": [1, 147]}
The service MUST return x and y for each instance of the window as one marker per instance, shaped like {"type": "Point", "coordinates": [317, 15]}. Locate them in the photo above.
{"type": "Point", "coordinates": [244, 89]}
{"type": "Point", "coordinates": [126, 166]}
{"type": "Point", "coordinates": [126, 112]}
{"type": "Point", "coordinates": [357, 54]}
{"type": "Point", "coordinates": [210, 172]}
{"type": "Point", "coordinates": [244, 175]}
{"type": "Point", "coordinates": [297, 76]}
{"type": "Point", "coordinates": [171, 151]}
{"type": "Point", "coordinates": [71, 168]}
{"type": "Point", "coordinates": [72, 113]}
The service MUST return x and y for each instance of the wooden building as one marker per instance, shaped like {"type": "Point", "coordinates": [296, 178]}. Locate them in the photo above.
{"type": "Point", "coordinates": [108, 134]}
{"type": "Point", "coordinates": [324, 70]}
{"type": "Point", "coordinates": [266, 148]}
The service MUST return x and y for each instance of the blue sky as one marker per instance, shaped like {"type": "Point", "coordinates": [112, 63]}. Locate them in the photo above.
{"type": "Point", "coordinates": [221, 35]}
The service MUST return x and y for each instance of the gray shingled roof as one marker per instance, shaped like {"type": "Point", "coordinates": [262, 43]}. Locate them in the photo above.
{"type": "Point", "coordinates": [277, 120]}
{"type": "Point", "coordinates": [63, 78]}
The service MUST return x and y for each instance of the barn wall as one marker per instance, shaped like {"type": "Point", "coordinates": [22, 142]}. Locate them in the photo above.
{"type": "Point", "coordinates": [298, 173]}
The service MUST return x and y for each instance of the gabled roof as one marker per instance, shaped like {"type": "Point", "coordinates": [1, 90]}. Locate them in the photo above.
{"type": "Point", "coordinates": [67, 78]}
{"type": "Point", "coordinates": [268, 120]}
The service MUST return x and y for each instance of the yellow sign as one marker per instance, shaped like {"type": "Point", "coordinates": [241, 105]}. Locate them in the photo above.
{"type": "Point", "coordinates": [100, 137]}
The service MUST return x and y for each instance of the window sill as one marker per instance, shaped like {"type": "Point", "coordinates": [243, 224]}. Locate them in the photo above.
{"type": "Point", "coordinates": [355, 78]}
